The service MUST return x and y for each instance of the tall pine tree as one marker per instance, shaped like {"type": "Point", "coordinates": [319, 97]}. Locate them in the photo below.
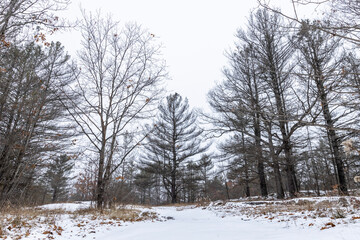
{"type": "Point", "coordinates": [173, 143]}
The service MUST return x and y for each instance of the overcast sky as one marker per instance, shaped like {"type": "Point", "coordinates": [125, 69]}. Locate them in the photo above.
{"type": "Point", "coordinates": [195, 34]}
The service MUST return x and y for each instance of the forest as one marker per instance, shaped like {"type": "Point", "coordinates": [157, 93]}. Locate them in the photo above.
{"type": "Point", "coordinates": [100, 126]}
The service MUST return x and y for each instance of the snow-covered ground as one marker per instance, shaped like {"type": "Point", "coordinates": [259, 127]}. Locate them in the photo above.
{"type": "Point", "coordinates": [272, 220]}
{"type": "Point", "coordinates": [71, 207]}
{"type": "Point", "coordinates": [198, 223]}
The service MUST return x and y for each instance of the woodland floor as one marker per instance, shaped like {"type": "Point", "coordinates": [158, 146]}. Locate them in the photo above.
{"type": "Point", "coordinates": [302, 218]}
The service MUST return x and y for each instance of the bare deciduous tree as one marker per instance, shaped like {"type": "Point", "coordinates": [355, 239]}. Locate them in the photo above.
{"type": "Point", "coordinates": [18, 15]}
{"type": "Point", "coordinates": [120, 73]}
{"type": "Point", "coordinates": [339, 17]}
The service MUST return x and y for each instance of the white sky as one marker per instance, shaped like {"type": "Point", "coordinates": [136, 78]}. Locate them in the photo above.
{"type": "Point", "coordinates": [194, 33]}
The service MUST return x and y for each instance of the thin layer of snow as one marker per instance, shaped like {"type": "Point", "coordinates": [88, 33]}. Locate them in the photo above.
{"type": "Point", "coordinates": [198, 224]}
{"type": "Point", "coordinates": [218, 221]}
{"type": "Point", "coordinates": [70, 207]}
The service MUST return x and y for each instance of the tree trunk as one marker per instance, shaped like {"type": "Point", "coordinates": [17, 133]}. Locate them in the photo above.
{"type": "Point", "coordinates": [247, 181]}
{"type": "Point", "coordinates": [339, 162]}
{"type": "Point", "coordinates": [278, 180]}
{"type": "Point", "coordinates": [43, 198]}
{"type": "Point", "coordinates": [227, 190]}
{"type": "Point", "coordinates": [173, 189]}
{"type": "Point", "coordinates": [247, 187]}
{"type": "Point", "coordinates": [257, 133]}
{"type": "Point", "coordinates": [275, 164]}
{"type": "Point", "coordinates": [100, 187]}
{"type": "Point", "coordinates": [260, 161]}
{"type": "Point", "coordinates": [334, 140]}
{"type": "Point", "coordinates": [54, 196]}
{"type": "Point", "coordinates": [290, 170]}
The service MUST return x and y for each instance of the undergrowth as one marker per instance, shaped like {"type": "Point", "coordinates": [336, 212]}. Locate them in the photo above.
{"type": "Point", "coordinates": [21, 222]}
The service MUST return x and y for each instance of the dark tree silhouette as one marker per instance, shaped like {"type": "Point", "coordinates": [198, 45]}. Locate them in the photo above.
{"type": "Point", "coordinates": [58, 176]}
{"type": "Point", "coordinates": [320, 61]}
{"type": "Point", "coordinates": [173, 143]}
{"type": "Point", "coordinates": [32, 96]}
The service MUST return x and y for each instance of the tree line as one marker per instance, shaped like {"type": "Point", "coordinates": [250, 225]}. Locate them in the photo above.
{"type": "Point", "coordinates": [281, 118]}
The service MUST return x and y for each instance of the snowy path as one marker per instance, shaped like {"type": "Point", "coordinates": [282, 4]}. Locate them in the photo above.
{"type": "Point", "coordinates": [198, 224]}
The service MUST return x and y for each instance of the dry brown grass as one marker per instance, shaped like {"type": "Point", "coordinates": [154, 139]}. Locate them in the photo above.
{"type": "Point", "coordinates": [288, 210]}
{"type": "Point", "coordinates": [179, 204]}
{"type": "Point", "coordinates": [19, 222]}
{"type": "Point", "coordinates": [127, 215]}
{"type": "Point", "coordinates": [118, 214]}
{"type": "Point", "coordinates": [320, 209]}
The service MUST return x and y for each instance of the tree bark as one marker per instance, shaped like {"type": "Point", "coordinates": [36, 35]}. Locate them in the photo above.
{"type": "Point", "coordinates": [275, 164]}
{"type": "Point", "coordinates": [260, 161]}
{"type": "Point", "coordinates": [290, 170]}
{"type": "Point", "coordinates": [334, 140]}
{"type": "Point", "coordinates": [100, 187]}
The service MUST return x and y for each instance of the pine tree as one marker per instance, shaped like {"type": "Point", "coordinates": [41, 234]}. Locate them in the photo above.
{"type": "Point", "coordinates": [173, 143]}
{"type": "Point", "coordinates": [58, 176]}
{"type": "Point", "coordinates": [205, 166]}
